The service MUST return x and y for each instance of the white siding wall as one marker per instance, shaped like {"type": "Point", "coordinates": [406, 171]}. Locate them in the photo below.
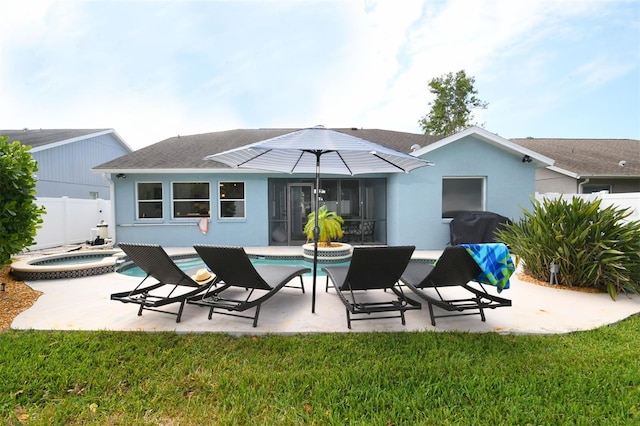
{"type": "Point", "coordinates": [65, 170]}
{"type": "Point", "coordinates": [550, 181]}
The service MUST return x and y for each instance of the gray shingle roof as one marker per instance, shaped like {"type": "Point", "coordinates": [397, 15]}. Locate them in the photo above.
{"type": "Point", "coordinates": [41, 137]}
{"type": "Point", "coordinates": [589, 157]}
{"type": "Point", "coordinates": [584, 157]}
{"type": "Point", "coordinates": [187, 152]}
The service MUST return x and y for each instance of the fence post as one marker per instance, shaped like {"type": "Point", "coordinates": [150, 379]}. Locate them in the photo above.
{"type": "Point", "coordinates": [65, 219]}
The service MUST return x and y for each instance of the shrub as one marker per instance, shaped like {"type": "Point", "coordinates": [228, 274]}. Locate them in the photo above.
{"type": "Point", "coordinates": [593, 247]}
{"type": "Point", "coordinates": [19, 215]}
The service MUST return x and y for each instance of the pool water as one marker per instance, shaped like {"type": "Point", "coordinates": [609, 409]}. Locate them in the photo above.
{"type": "Point", "coordinates": [193, 263]}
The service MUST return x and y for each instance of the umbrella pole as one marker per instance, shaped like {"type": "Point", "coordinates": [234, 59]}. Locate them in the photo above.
{"type": "Point", "coordinates": [316, 234]}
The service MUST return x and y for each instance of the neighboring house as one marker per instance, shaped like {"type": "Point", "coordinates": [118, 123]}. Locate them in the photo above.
{"type": "Point", "coordinates": [164, 191]}
{"type": "Point", "coordinates": [583, 166]}
{"type": "Point", "coordinates": [65, 159]}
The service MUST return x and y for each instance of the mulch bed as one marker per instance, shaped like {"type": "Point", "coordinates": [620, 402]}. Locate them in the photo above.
{"type": "Point", "coordinates": [17, 297]}
{"type": "Point", "coordinates": [530, 279]}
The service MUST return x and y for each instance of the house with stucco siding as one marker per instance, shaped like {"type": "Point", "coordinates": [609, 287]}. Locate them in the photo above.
{"type": "Point", "coordinates": [168, 194]}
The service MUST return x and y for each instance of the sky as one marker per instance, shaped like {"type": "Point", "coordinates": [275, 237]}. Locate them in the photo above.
{"type": "Point", "coordinates": [152, 70]}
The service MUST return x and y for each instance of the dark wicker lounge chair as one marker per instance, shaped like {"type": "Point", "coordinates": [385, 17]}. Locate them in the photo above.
{"type": "Point", "coordinates": [455, 268]}
{"type": "Point", "coordinates": [373, 268]}
{"type": "Point", "coordinates": [232, 267]}
{"type": "Point", "coordinates": [173, 286]}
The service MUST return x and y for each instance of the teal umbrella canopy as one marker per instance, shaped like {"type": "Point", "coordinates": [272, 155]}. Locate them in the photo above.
{"type": "Point", "coordinates": [319, 149]}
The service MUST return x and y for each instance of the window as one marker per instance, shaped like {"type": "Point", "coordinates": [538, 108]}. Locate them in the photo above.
{"type": "Point", "coordinates": [462, 194]}
{"type": "Point", "coordinates": [191, 199]}
{"type": "Point", "coordinates": [149, 196]}
{"type": "Point", "coordinates": [231, 198]}
{"type": "Point", "coordinates": [595, 187]}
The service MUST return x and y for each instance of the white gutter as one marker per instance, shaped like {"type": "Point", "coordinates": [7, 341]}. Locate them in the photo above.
{"type": "Point", "coordinates": [112, 201]}
{"type": "Point", "coordinates": [581, 184]}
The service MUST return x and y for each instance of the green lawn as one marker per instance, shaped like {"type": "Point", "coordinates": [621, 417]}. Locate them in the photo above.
{"type": "Point", "coordinates": [123, 378]}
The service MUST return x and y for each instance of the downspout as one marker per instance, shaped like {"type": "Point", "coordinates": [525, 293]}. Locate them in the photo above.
{"type": "Point", "coordinates": [581, 184]}
{"type": "Point", "coordinates": [112, 199]}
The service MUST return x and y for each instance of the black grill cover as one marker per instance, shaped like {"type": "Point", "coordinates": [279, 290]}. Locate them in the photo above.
{"type": "Point", "coordinates": [475, 227]}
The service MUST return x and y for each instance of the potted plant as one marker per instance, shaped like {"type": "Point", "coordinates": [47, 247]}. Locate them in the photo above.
{"type": "Point", "coordinates": [329, 224]}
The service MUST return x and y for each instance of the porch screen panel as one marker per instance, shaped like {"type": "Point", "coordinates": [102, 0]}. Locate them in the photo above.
{"type": "Point", "coordinates": [349, 206]}
{"type": "Point", "coordinates": [329, 194]}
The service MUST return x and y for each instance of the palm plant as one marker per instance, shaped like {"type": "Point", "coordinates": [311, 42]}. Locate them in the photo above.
{"type": "Point", "coordinates": [329, 224]}
{"type": "Point", "coordinates": [592, 246]}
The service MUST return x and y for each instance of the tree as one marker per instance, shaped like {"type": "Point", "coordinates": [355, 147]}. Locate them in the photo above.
{"type": "Point", "coordinates": [19, 214]}
{"type": "Point", "coordinates": [451, 111]}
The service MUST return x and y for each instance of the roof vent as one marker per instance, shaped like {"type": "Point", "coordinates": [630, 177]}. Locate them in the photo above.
{"type": "Point", "coordinates": [415, 147]}
{"type": "Point", "coordinates": [622, 163]}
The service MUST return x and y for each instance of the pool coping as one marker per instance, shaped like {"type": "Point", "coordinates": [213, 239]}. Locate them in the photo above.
{"type": "Point", "coordinates": [38, 268]}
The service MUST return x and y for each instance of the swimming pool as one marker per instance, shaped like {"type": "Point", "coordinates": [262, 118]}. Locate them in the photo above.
{"type": "Point", "coordinates": [194, 263]}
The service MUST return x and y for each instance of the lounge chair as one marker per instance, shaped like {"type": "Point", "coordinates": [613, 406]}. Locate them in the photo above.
{"type": "Point", "coordinates": [173, 286]}
{"type": "Point", "coordinates": [457, 268]}
{"type": "Point", "coordinates": [373, 268]}
{"type": "Point", "coordinates": [232, 267]}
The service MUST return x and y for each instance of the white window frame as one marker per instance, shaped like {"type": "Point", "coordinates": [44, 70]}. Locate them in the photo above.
{"type": "Point", "coordinates": [138, 201]}
{"type": "Point", "coordinates": [174, 200]}
{"type": "Point", "coordinates": [483, 195]}
{"type": "Point", "coordinates": [243, 200]}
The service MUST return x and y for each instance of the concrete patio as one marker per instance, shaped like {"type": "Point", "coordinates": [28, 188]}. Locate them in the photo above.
{"type": "Point", "coordinates": [84, 304]}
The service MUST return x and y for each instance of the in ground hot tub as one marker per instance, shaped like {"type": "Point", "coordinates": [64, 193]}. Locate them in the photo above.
{"type": "Point", "coordinates": [67, 265]}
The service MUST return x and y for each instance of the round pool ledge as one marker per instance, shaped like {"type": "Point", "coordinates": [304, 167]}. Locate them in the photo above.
{"type": "Point", "coordinates": [338, 252]}
{"type": "Point", "coordinates": [49, 267]}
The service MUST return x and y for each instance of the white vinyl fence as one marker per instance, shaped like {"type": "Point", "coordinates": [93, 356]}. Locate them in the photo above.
{"type": "Point", "coordinates": [630, 200]}
{"type": "Point", "coordinates": [70, 221]}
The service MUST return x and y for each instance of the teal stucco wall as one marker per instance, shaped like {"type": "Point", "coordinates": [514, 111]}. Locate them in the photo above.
{"type": "Point", "coordinates": [415, 199]}
{"type": "Point", "coordinates": [413, 204]}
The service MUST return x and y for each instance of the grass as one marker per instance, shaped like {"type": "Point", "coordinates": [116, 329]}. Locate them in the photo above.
{"type": "Point", "coordinates": [124, 378]}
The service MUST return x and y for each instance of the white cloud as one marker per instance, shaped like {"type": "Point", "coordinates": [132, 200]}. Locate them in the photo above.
{"type": "Point", "coordinates": [153, 70]}
{"type": "Point", "coordinates": [599, 72]}
{"type": "Point", "coordinates": [23, 21]}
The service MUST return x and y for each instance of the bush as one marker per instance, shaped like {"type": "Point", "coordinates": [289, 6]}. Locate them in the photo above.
{"type": "Point", "coordinates": [593, 247]}
{"type": "Point", "coordinates": [19, 215]}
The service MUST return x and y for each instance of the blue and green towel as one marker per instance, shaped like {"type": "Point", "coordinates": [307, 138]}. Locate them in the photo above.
{"type": "Point", "coordinates": [495, 262]}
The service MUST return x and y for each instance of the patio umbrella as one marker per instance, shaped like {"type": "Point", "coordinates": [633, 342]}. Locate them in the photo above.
{"type": "Point", "coordinates": [301, 152]}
